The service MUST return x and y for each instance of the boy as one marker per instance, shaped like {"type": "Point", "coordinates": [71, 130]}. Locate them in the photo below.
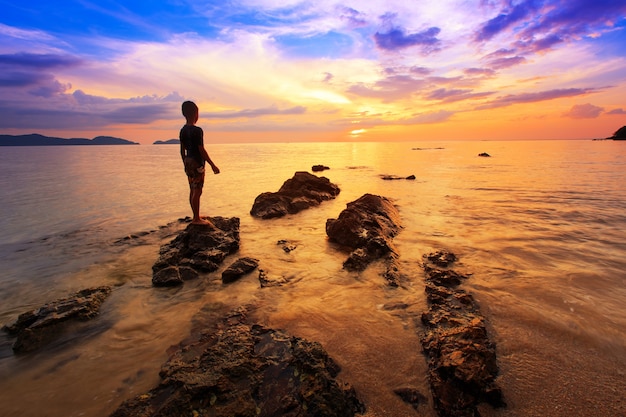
{"type": "Point", "coordinates": [194, 155]}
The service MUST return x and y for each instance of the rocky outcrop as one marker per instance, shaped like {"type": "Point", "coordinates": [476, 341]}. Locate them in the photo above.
{"type": "Point", "coordinates": [36, 328]}
{"type": "Point", "coordinates": [319, 168]}
{"type": "Point", "coordinates": [484, 155]}
{"type": "Point", "coordinates": [239, 268]}
{"type": "Point", "coordinates": [368, 226]}
{"type": "Point", "coordinates": [620, 134]}
{"type": "Point", "coordinates": [239, 369]}
{"type": "Point", "coordinates": [197, 249]}
{"type": "Point", "coordinates": [302, 191]}
{"type": "Point", "coordinates": [461, 358]}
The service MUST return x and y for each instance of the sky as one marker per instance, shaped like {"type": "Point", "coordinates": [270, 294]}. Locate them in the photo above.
{"type": "Point", "coordinates": [322, 70]}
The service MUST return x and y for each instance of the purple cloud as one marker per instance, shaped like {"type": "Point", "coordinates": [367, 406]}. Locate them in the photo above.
{"type": "Point", "coordinates": [539, 25]}
{"type": "Point", "coordinates": [452, 95]}
{"type": "Point", "coordinates": [511, 99]}
{"type": "Point", "coordinates": [353, 17]}
{"type": "Point", "coordinates": [390, 88]}
{"type": "Point", "coordinates": [584, 111]}
{"type": "Point", "coordinates": [479, 72]}
{"type": "Point", "coordinates": [506, 19]}
{"type": "Point", "coordinates": [38, 61]}
{"type": "Point", "coordinates": [396, 39]}
{"type": "Point", "coordinates": [616, 111]}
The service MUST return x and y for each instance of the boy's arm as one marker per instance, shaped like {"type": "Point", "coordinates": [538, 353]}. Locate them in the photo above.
{"type": "Point", "coordinates": [207, 158]}
{"type": "Point", "coordinates": [182, 151]}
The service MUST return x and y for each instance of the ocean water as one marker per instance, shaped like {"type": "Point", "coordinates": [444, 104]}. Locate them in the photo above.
{"type": "Point", "coordinates": [539, 226]}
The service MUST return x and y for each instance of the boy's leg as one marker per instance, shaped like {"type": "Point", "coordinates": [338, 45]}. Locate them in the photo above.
{"type": "Point", "coordinates": [195, 192]}
{"type": "Point", "coordinates": [194, 201]}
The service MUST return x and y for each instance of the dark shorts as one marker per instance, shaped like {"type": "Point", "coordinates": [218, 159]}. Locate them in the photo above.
{"type": "Point", "coordinates": [195, 173]}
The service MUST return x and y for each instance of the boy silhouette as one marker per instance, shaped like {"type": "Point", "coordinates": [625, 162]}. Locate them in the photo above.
{"type": "Point", "coordinates": [194, 156]}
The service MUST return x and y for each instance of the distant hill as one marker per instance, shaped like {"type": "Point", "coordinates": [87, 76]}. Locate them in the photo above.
{"type": "Point", "coordinates": [167, 142]}
{"type": "Point", "coordinates": [36, 139]}
{"type": "Point", "coordinates": [620, 134]}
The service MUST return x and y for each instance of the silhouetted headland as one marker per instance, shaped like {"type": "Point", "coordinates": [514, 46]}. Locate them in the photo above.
{"type": "Point", "coordinates": [620, 134]}
{"type": "Point", "coordinates": [35, 139]}
{"type": "Point", "coordinates": [167, 142]}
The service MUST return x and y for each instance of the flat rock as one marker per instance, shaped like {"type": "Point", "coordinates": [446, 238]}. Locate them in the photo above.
{"type": "Point", "coordinates": [197, 249]}
{"type": "Point", "coordinates": [301, 192]}
{"type": "Point", "coordinates": [236, 368]}
{"type": "Point", "coordinates": [36, 328]}
{"type": "Point", "coordinates": [367, 225]}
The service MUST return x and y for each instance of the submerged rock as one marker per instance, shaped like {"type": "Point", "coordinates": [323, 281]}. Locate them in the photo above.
{"type": "Point", "coordinates": [461, 358]}
{"type": "Point", "coordinates": [195, 250]}
{"type": "Point", "coordinates": [367, 225]}
{"type": "Point", "coordinates": [302, 191]}
{"type": "Point", "coordinates": [38, 327]}
{"type": "Point", "coordinates": [242, 369]}
{"type": "Point", "coordinates": [239, 268]}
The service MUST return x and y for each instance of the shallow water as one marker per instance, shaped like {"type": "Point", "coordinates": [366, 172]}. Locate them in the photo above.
{"type": "Point", "coordinates": [538, 226]}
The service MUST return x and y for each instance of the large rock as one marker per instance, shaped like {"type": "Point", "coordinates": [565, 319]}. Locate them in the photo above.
{"type": "Point", "coordinates": [195, 250]}
{"type": "Point", "coordinates": [302, 191]}
{"type": "Point", "coordinates": [461, 358]}
{"type": "Point", "coordinates": [38, 327]}
{"type": "Point", "coordinates": [367, 225]}
{"type": "Point", "coordinates": [240, 369]}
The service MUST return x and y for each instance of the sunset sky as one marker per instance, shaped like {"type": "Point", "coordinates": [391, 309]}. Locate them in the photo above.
{"type": "Point", "coordinates": [323, 70]}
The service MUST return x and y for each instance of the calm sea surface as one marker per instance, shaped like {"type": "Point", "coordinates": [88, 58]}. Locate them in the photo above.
{"type": "Point", "coordinates": [540, 226]}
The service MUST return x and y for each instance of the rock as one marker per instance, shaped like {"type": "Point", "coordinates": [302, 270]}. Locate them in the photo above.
{"type": "Point", "coordinates": [38, 327]}
{"type": "Point", "coordinates": [238, 269]}
{"type": "Point", "coordinates": [236, 368]}
{"type": "Point", "coordinates": [411, 396]}
{"type": "Point", "coordinates": [197, 249]}
{"type": "Point", "coordinates": [396, 177]}
{"type": "Point", "coordinates": [484, 154]}
{"type": "Point", "coordinates": [461, 358]}
{"type": "Point", "coordinates": [367, 225]}
{"type": "Point", "coordinates": [441, 258]}
{"type": "Point", "coordinates": [302, 191]}
{"type": "Point", "coordinates": [319, 168]}
{"type": "Point", "coordinates": [287, 246]}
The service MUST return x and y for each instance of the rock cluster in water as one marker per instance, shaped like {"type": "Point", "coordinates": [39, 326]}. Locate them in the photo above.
{"type": "Point", "coordinates": [242, 369]}
{"type": "Point", "coordinates": [368, 226]}
{"type": "Point", "coordinates": [36, 328]}
{"type": "Point", "coordinates": [302, 191]}
{"type": "Point", "coordinates": [461, 358]}
{"type": "Point", "coordinates": [197, 249]}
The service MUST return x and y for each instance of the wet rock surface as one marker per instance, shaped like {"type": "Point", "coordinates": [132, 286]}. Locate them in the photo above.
{"type": "Point", "coordinates": [239, 268]}
{"type": "Point", "coordinates": [36, 328]}
{"type": "Point", "coordinates": [368, 226]}
{"type": "Point", "coordinates": [236, 368]}
{"type": "Point", "coordinates": [461, 358]}
{"type": "Point", "coordinates": [197, 249]}
{"type": "Point", "coordinates": [302, 191]}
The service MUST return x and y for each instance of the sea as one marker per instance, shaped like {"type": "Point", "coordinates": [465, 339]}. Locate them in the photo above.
{"type": "Point", "coordinates": [537, 226]}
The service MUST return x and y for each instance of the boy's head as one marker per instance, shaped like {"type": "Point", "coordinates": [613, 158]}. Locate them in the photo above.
{"type": "Point", "coordinates": [190, 111]}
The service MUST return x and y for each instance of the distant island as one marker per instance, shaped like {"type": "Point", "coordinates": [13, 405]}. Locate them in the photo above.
{"type": "Point", "coordinates": [620, 134]}
{"type": "Point", "coordinates": [36, 139]}
{"type": "Point", "coordinates": [167, 142]}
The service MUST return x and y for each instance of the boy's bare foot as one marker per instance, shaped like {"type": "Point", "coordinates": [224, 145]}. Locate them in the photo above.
{"type": "Point", "coordinates": [203, 222]}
